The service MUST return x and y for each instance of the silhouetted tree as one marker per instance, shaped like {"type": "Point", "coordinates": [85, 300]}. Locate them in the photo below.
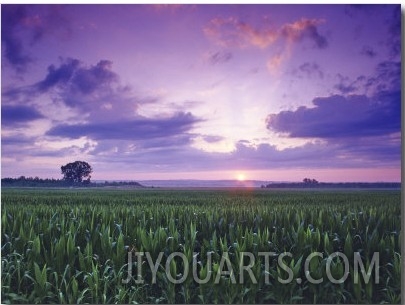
{"type": "Point", "coordinates": [310, 181]}
{"type": "Point", "coordinates": [76, 171]}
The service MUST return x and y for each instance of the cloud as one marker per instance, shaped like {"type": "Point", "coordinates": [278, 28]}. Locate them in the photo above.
{"type": "Point", "coordinates": [349, 116]}
{"type": "Point", "coordinates": [394, 32]}
{"type": "Point", "coordinates": [275, 62]}
{"type": "Point", "coordinates": [341, 117]}
{"type": "Point", "coordinates": [310, 69]}
{"type": "Point", "coordinates": [353, 9]}
{"type": "Point", "coordinates": [108, 109]}
{"type": "Point", "coordinates": [305, 28]}
{"type": "Point", "coordinates": [212, 138]}
{"type": "Point", "coordinates": [392, 23]}
{"type": "Point", "coordinates": [219, 57]}
{"type": "Point", "coordinates": [59, 76]}
{"type": "Point", "coordinates": [97, 115]}
{"type": "Point", "coordinates": [79, 79]}
{"type": "Point", "coordinates": [388, 75]}
{"type": "Point", "coordinates": [319, 154]}
{"type": "Point", "coordinates": [231, 32]}
{"type": "Point", "coordinates": [11, 17]}
{"type": "Point", "coordinates": [16, 115]}
{"type": "Point", "coordinates": [22, 27]}
{"type": "Point", "coordinates": [368, 51]}
{"type": "Point", "coordinates": [350, 130]}
{"type": "Point", "coordinates": [345, 85]}
{"type": "Point", "coordinates": [140, 128]}
{"type": "Point", "coordinates": [94, 91]}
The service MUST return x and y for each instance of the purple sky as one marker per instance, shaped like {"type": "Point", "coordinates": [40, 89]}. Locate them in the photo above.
{"type": "Point", "coordinates": [272, 92]}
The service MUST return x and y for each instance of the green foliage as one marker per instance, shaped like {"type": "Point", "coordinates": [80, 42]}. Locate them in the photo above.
{"type": "Point", "coordinates": [71, 246]}
{"type": "Point", "coordinates": [75, 172]}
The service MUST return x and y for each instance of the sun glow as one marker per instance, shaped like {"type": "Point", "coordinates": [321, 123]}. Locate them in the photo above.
{"type": "Point", "coordinates": [241, 177]}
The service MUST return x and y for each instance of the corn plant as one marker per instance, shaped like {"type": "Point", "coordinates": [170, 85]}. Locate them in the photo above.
{"type": "Point", "coordinates": [71, 246]}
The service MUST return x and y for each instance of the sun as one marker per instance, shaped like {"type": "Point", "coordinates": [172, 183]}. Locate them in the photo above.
{"type": "Point", "coordinates": [241, 177]}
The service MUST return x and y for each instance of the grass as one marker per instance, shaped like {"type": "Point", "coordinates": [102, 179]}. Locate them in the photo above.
{"type": "Point", "coordinates": [71, 246]}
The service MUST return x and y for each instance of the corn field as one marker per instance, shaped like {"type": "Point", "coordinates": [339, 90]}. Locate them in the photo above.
{"type": "Point", "coordinates": [73, 246]}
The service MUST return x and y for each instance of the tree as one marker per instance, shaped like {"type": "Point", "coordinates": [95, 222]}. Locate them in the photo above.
{"type": "Point", "coordinates": [310, 181]}
{"type": "Point", "coordinates": [76, 171]}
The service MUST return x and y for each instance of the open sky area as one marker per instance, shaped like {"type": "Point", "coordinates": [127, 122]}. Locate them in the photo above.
{"type": "Point", "coordinates": [267, 92]}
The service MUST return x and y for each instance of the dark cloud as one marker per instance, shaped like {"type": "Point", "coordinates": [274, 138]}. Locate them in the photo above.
{"type": "Point", "coordinates": [86, 81]}
{"type": "Point", "coordinates": [140, 128]}
{"type": "Point", "coordinates": [19, 95]}
{"type": "Point", "coordinates": [394, 31]}
{"type": "Point", "coordinates": [18, 140]}
{"type": "Point", "coordinates": [341, 117]}
{"type": "Point", "coordinates": [93, 90]}
{"type": "Point", "coordinates": [59, 76]}
{"type": "Point", "coordinates": [353, 10]}
{"type": "Point", "coordinates": [78, 78]}
{"type": "Point", "coordinates": [219, 57]}
{"type": "Point", "coordinates": [51, 20]}
{"type": "Point", "coordinates": [368, 51]}
{"type": "Point", "coordinates": [12, 16]}
{"type": "Point", "coordinates": [388, 76]}
{"type": "Point", "coordinates": [14, 115]}
{"type": "Point", "coordinates": [24, 25]}
{"type": "Point", "coordinates": [310, 69]}
{"type": "Point", "coordinates": [354, 130]}
{"type": "Point", "coordinates": [393, 22]}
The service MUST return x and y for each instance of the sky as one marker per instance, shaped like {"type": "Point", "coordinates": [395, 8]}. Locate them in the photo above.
{"type": "Point", "coordinates": [266, 92]}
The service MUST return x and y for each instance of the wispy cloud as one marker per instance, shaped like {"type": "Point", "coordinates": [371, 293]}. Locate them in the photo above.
{"type": "Point", "coordinates": [215, 58]}
{"type": "Point", "coordinates": [309, 70]}
{"type": "Point", "coordinates": [387, 76]}
{"type": "Point", "coordinates": [231, 32]}
{"type": "Point", "coordinates": [140, 128]}
{"type": "Point", "coordinates": [305, 28]}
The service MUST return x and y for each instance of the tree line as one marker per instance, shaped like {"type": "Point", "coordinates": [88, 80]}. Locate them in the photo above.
{"type": "Point", "coordinates": [75, 174]}
{"type": "Point", "coordinates": [313, 183]}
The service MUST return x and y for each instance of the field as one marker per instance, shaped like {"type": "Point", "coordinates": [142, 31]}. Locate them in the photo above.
{"type": "Point", "coordinates": [77, 246]}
